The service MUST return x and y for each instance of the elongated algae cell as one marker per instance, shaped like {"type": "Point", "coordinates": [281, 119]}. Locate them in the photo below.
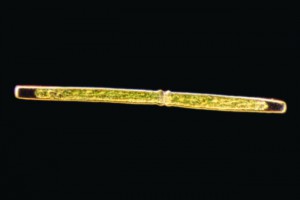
{"type": "Point", "coordinates": [168, 98]}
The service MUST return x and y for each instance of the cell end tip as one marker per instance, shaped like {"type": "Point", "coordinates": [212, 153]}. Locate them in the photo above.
{"type": "Point", "coordinates": [24, 92]}
{"type": "Point", "coordinates": [277, 106]}
{"type": "Point", "coordinates": [17, 92]}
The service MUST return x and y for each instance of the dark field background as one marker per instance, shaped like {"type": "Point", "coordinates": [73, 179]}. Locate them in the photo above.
{"type": "Point", "coordinates": [59, 149]}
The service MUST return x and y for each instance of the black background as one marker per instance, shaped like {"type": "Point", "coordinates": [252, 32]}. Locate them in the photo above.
{"type": "Point", "coordinates": [70, 149]}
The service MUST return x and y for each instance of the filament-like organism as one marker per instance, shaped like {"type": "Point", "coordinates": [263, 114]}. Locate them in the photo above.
{"type": "Point", "coordinates": [152, 97]}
